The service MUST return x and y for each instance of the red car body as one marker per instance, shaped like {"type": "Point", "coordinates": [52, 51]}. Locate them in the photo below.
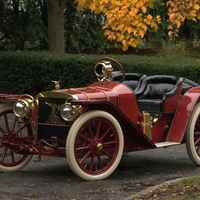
{"type": "Point", "coordinates": [93, 126]}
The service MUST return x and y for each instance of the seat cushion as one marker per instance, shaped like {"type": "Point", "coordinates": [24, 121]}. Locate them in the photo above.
{"type": "Point", "coordinates": [151, 105]}
{"type": "Point", "coordinates": [132, 84]}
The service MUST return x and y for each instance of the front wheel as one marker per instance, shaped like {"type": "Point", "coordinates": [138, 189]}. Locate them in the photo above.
{"type": "Point", "coordinates": [94, 145]}
{"type": "Point", "coordinates": [12, 156]}
{"type": "Point", "coordinates": [193, 136]}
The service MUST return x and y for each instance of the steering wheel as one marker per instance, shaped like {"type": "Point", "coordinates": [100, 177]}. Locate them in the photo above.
{"type": "Point", "coordinates": [103, 69]}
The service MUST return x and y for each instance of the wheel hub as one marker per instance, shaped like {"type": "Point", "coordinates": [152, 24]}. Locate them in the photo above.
{"type": "Point", "coordinates": [99, 146]}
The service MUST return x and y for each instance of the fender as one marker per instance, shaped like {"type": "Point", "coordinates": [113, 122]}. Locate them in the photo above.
{"type": "Point", "coordinates": [134, 138]}
{"type": "Point", "coordinates": [9, 97]}
{"type": "Point", "coordinates": [182, 115]}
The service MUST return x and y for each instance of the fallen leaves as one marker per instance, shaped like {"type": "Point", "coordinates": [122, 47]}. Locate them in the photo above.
{"type": "Point", "coordinates": [184, 189]}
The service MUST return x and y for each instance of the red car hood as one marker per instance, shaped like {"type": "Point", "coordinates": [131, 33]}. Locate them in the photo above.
{"type": "Point", "coordinates": [119, 94]}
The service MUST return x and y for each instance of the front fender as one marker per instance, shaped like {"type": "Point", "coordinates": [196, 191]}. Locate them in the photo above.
{"type": "Point", "coordinates": [134, 139]}
{"type": "Point", "coordinates": [182, 115]}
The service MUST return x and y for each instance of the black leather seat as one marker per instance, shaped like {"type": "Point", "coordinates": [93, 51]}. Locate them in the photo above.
{"type": "Point", "coordinates": [159, 94]}
{"type": "Point", "coordinates": [132, 80]}
{"type": "Point", "coordinates": [188, 84]}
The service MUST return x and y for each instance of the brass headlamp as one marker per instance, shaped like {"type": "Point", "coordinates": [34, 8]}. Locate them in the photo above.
{"type": "Point", "coordinates": [23, 106]}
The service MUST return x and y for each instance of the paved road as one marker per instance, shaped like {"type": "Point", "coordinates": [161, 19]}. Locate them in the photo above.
{"type": "Point", "coordinates": [52, 179]}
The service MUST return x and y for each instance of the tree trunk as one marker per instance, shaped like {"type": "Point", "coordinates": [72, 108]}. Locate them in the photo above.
{"type": "Point", "coordinates": [56, 25]}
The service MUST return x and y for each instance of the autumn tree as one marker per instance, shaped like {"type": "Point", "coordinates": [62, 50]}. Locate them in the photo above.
{"type": "Point", "coordinates": [127, 21]}
{"type": "Point", "coordinates": [179, 11]}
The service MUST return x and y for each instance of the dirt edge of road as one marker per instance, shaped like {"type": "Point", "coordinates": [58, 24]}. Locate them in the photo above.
{"type": "Point", "coordinates": [181, 188]}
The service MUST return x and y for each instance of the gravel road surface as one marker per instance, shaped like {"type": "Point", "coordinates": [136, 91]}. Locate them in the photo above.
{"type": "Point", "coordinates": [52, 179]}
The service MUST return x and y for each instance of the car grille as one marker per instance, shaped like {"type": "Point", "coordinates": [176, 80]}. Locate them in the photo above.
{"type": "Point", "coordinates": [50, 121]}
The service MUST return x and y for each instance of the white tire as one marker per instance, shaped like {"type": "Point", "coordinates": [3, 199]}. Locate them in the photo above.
{"type": "Point", "coordinates": [94, 145]}
{"type": "Point", "coordinates": [193, 136]}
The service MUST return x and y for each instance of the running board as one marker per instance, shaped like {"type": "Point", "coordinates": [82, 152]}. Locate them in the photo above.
{"type": "Point", "coordinates": [166, 144]}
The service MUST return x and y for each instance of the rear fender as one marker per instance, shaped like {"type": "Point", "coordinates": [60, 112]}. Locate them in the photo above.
{"type": "Point", "coordinates": [182, 115]}
{"type": "Point", "coordinates": [134, 139]}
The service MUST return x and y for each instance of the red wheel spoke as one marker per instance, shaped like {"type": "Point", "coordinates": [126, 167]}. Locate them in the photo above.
{"type": "Point", "coordinates": [89, 130]}
{"type": "Point", "coordinates": [4, 154]}
{"type": "Point", "coordinates": [109, 143]}
{"type": "Point", "coordinates": [91, 163]}
{"type": "Point", "coordinates": [6, 122]}
{"type": "Point", "coordinates": [197, 141]}
{"type": "Point", "coordinates": [197, 125]}
{"type": "Point", "coordinates": [106, 133]}
{"type": "Point", "coordinates": [107, 153]}
{"type": "Point", "coordinates": [85, 138]}
{"type": "Point", "coordinates": [14, 123]}
{"type": "Point", "coordinates": [197, 133]}
{"type": "Point", "coordinates": [87, 155]}
{"type": "Point", "coordinates": [82, 148]}
{"type": "Point", "coordinates": [12, 156]}
{"type": "Point", "coordinates": [98, 129]}
{"type": "Point", "coordinates": [197, 149]}
{"type": "Point", "coordinates": [1, 130]}
{"type": "Point", "coordinates": [106, 148]}
{"type": "Point", "coordinates": [100, 161]}
{"type": "Point", "coordinates": [20, 129]}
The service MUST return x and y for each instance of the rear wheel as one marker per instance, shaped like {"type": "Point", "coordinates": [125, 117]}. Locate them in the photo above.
{"type": "Point", "coordinates": [94, 145]}
{"type": "Point", "coordinates": [193, 136]}
{"type": "Point", "coordinates": [14, 133]}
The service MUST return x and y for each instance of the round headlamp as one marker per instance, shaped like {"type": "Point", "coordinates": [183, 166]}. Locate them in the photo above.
{"type": "Point", "coordinates": [70, 112]}
{"type": "Point", "coordinates": [21, 107]}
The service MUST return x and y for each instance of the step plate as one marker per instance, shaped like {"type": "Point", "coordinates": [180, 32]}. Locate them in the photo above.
{"type": "Point", "coordinates": [166, 144]}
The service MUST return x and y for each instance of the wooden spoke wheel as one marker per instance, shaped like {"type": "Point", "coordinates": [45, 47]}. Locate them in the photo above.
{"type": "Point", "coordinates": [193, 136]}
{"type": "Point", "coordinates": [94, 145]}
{"type": "Point", "coordinates": [12, 132]}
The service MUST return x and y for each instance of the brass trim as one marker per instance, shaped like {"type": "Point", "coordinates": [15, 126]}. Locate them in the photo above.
{"type": "Point", "coordinates": [54, 94]}
{"type": "Point", "coordinates": [50, 94]}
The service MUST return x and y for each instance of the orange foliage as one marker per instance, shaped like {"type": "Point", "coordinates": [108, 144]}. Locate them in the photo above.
{"type": "Point", "coordinates": [127, 21]}
{"type": "Point", "coordinates": [178, 11]}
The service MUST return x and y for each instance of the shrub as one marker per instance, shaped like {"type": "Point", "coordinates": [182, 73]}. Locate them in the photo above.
{"type": "Point", "coordinates": [32, 72]}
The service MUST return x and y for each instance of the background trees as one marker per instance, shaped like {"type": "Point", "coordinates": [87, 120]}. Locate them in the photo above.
{"type": "Point", "coordinates": [25, 24]}
{"type": "Point", "coordinates": [55, 9]}
{"type": "Point", "coordinates": [21, 25]}
{"type": "Point", "coordinates": [128, 21]}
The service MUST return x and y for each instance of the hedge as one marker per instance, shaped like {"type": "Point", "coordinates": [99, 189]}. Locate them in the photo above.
{"type": "Point", "coordinates": [32, 72]}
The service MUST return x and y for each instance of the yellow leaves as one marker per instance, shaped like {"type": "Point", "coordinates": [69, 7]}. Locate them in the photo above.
{"type": "Point", "coordinates": [196, 6]}
{"type": "Point", "coordinates": [125, 43]}
{"type": "Point", "coordinates": [127, 21]}
{"type": "Point", "coordinates": [144, 9]}
{"type": "Point", "coordinates": [120, 27]}
{"type": "Point", "coordinates": [139, 4]}
{"type": "Point", "coordinates": [158, 19]}
{"type": "Point", "coordinates": [141, 33]}
{"type": "Point", "coordinates": [134, 11]}
{"type": "Point", "coordinates": [181, 10]}
{"type": "Point", "coordinates": [150, 4]}
{"type": "Point", "coordinates": [129, 29]}
{"type": "Point", "coordinates": [192, 15]}
{"type": "Point", "coordinates": [142, 26]}
{"type": "Point", "coordinates": [178, 23]}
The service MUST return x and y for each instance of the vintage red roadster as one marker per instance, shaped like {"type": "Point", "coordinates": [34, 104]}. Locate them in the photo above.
{"type": "Point", "coordinates": [94, 126]}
